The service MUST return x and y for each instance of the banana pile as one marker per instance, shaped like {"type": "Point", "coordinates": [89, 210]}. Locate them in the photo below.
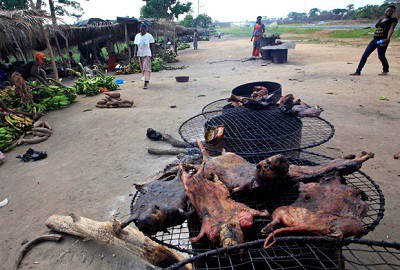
{"type": "Point", "coordinates": [91, 86]}
{"type": "Point", "coordinates": [114, 100]}
{"type": "Point", "coordinates": [12, 129]}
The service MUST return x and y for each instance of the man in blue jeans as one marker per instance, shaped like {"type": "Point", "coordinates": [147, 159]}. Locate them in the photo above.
{"type": "Point", "coordinates": [383, 33]}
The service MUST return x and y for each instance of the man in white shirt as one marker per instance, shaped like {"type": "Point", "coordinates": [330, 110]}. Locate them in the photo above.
{"type": "Point", "coordinates": [144, 52]}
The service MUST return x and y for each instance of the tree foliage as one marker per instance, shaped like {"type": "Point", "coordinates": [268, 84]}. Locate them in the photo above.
{"type": "Point", "coordinates": [203, 21]}
{"type": "Point", "coordinates": [14, 4]}
{"type": "Point", "coordinates": [62, 7]}
{"type": "Point", "coordinates": [370, 12]}
{"type": "Point", "coordinates": [164, 9]}
{"type": "Point", "coordinates": [188, 21]}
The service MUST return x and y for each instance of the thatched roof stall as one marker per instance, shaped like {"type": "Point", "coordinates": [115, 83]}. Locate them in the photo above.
{"type": "Point", "coordinates": [22, 31]}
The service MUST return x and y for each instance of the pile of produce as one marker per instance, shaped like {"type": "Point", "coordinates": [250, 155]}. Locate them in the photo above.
{"type": "Point", "coordinates": [158, 64]}
{"type": "Point", "coordinates": [45, 97]}
{"type": "Point", "coordinates": [13, 127]}
{"type": "Point", "coordinates": [168, 56]}
{"type": "Point", "coordinates": [183, 46]}
{"type": "Point", "coordinates": [93, 83]}
{"type": "Point", "coordinates": [114, 100]}
{"type": "Point", "coordinates": [40, 132]}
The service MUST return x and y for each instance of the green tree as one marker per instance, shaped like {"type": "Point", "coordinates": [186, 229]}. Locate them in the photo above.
{"type": "Point", "coordinates": [61, 7]}
{"type": "Point", "coordinates": [164, 9]}
{"type": "Point", "coordinates": [188, 21]}
{"type": "Point", "coordinates": [203, 20]}
{"type": "Point", "coordinates": [314, 13]}
{"type": "Point", "coordinates": [296, 16]}
{"type": "Point", "coordinates": [14, 4]}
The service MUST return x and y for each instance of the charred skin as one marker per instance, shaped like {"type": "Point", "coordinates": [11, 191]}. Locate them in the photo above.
{"type": "Point", "coordinates": [326, 209]}
{"type": "Point", "coordinates": [272, 169]}
{"type": "Point", "coordinates": [214, 134]}
{"type": "Point", "coordinates": [161, 204]}
{"type": "Point", "coordinates": [259, 92]}
{"type": "Point", "coordinates": [343, 166]}
{"type": "Point", "coordinates": [223, 219]}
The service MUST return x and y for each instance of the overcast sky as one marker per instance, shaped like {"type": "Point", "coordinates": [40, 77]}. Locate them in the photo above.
{"type": "Point", "coordinates": [221, 10]}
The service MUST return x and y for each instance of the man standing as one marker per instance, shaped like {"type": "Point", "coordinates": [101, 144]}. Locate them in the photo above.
{"type": "Point", "coordinates": [258, 31]}
{"type": "Point", "coordinates": [144, 53]}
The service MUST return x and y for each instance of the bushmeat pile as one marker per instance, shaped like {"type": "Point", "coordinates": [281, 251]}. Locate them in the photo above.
{"type": "Point", "coordinates": [207, 189]}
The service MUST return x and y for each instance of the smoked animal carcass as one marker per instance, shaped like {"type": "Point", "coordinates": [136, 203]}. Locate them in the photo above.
{"type": "Point", "coordinates": [161, 204]}
{"type": "Point", "coordinates": [223, 219]}
{"type": "Point", "coordinates": [295, 173]}
{"type": "Point", "coordinates": [328, 208]}
{"type": "Point", "coordinates": [344, 166]}
{"type": "Point", "coordinates": [237, 174]}
{"type": "Point", "coordinates": [288, 105]}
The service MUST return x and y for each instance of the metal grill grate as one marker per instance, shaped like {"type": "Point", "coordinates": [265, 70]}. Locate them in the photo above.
{"type": "Point", "coordinates": [301, 253]}
{"type": "Point", "coordinates": [178, 237]}
{"type": "Point", "coordinates": [250, 132]}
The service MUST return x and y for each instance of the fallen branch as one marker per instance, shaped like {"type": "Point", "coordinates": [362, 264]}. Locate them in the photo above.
{"type": "Point", "coordinates": [30, 244]}
{"type": "Point", "coordinates": [158, 151]}
{"type": "Point", "coordinates": [129, 238]}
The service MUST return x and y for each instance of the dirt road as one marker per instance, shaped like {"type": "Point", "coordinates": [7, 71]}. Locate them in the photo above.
{"type": "Point", "coordinates": [94, 157]}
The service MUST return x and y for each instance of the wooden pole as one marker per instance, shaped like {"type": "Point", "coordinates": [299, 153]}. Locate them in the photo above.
{"type": "Point", "coordinates": [50, 49]}
{"type": "Point", "coordinates": [127, 42]}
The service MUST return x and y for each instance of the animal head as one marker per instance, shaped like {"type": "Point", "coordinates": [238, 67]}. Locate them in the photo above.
{"type": "Point", "coordinates": [272, 168]}
{"type": "Point", "coordinates": [151, 220]}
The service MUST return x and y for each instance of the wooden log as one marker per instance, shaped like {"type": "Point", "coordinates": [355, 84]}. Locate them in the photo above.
{"type": "Point", "coordinates": [158, 151]}
{"type": "Point", "coordinates": [129, 239]}
{"type": "Point", "coordinates": [174, 142]}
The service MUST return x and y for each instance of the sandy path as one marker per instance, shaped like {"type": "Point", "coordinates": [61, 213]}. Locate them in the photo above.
{"type": "Point", "coordinates": [96, 156]}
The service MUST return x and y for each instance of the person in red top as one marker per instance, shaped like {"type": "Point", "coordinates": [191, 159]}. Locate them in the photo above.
{"type": "Point", "coordinates": [40, 57]}
{"type": "Point", "coordinates": [384, 31]}
{"type": "Point", "coordinates": [258, 31]}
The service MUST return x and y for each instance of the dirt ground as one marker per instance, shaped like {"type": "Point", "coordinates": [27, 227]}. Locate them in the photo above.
{"type": "Point", "coordinates": [95, 156]}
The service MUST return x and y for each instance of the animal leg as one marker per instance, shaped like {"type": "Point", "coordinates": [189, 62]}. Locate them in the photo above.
{"type": "Point", "coordinates": [299, 229]}
{"type": "Point", "coordinates": [201, 235]}
{"type": "Point", "coordinates": [203, 151]}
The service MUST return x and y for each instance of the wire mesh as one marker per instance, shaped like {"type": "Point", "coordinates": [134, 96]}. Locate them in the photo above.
{"type": "Point", "coordinates": [250, 132]}
{"type": "Point", "coordinates": [178, 237]}
{"type": "Point", "coordinates": [300, 253]}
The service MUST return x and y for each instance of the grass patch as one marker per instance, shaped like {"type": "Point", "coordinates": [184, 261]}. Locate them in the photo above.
{"type": "Point", "coordinates": [356, 33]}
{"type": "Point", "coordinates": [246, 31]}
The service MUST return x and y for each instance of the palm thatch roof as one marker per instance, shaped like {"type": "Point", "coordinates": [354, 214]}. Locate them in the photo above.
{"type": "Point", "coordinates": [22, 31]}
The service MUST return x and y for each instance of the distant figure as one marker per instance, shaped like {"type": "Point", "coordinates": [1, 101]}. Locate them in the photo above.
{"type": "Point", "coordinates": [144, 43]}
{"type": "Point", "coordinates": [40, 57]}
{"type": "Point", "coordinates": [384, 31]}
{"type": "Point", "coordinates": [72, 61]}
{"type": "Point", "coordinates": [195, 39]}
{"type": "Point", "coordinates": [258, 31]}
{"type": "Point", "coordinates": [111, 53]}
{"type": "Point", "coordinates": [219, 35]}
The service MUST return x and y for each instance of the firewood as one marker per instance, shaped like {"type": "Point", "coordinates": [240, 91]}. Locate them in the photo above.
{"type": "Point", "coordinates": [159, 151]}
{"type": "Point", "coordinates": [129, 238]}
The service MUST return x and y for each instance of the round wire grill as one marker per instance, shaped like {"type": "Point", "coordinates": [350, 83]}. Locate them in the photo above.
{"type": "Point", "coordinates": [250, 132]}
{"type": "Point", "coordinates": [300, 253]}
{"type": "Point", "coordinates": [218, 105]}
{"type": "Point", "coordinates": [178, 237]}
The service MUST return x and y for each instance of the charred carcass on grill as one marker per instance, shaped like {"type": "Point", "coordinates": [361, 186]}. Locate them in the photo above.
{"type": "Point", "coordinates": [161, 204]}
{"type": "Point", "coordinates": [344, 166]}
{"type": "Point", "coordinates": [222, 218]}
{"type": "Point", "coordinates": [214, 134]}
{"type": "Point", "coordinates": [237, 174]}
{"type": "Point", "coordinates": [260, 99]}
{"type": "Point", "coordinates": [327, 208]}
{"type": "Point", "coordinates": [288, 105]}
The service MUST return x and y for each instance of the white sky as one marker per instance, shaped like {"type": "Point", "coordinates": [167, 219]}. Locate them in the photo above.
{"type": "Point", "coordinates": [221, 10]}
